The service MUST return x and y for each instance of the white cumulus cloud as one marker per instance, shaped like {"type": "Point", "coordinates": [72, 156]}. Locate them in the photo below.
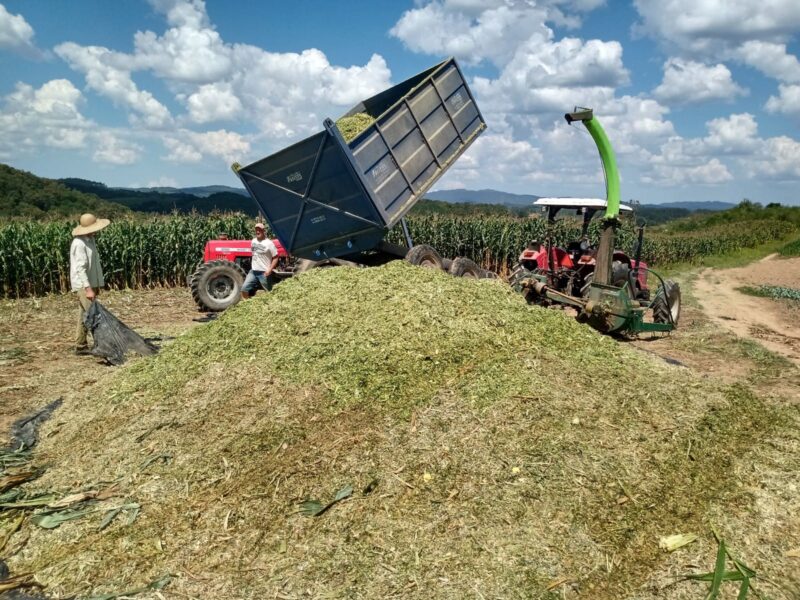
{"type": "Point", "coordinates": [710, 26]}
{"type": "Point", "coordinates": [687, 81]}
{"type": "Point", "coordinates": [771, 59]}
{"type": "Point", "coordinates": [16, 34]}
{"type": "Point", "coordinates": [32, 118]}
{"type": "Point", "coordinates": [107, 73]}
{"type": "Point", "coordinates": [283, 95]}
{"type": "Point", "coordinates": [787, 102]}
{"type": "Point", "coordinates": [111, 149]}
{"type": "Point", "coordinates": [778, 159]}
{"type": "Point", "coordinates": [213, 102]}
{"type": "Point", "coordinates": [471, 32]}
{"type": "Point", "coordinates": [187, 146]}
{"type": "Point", "coordinates": [751, 32]}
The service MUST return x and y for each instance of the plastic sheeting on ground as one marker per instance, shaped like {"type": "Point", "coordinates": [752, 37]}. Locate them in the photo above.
{"type": "Point", "coordinates": [112, 338]}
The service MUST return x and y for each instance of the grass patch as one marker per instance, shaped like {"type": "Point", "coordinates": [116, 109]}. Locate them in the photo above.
{"type": "Point", "coordinates": [775, 292]}
{"type": "Point", "coordinates": [791, 249]}
{"type": "Point", "coordinates": [13, 354]}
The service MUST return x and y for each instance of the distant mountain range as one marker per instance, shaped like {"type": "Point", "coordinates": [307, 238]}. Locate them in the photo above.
{"type": "Point", "coordinates": [509, 199]}
{"type": "Point", "coordinates": [483, 197]}
{"type": "Point", "coordinates": [201, 191]}
{"type": "Point", "coordinates": [692, 206]}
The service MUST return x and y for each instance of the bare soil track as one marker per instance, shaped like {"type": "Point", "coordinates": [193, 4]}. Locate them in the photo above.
{"type": "Point", "coordinates": [773, 324]}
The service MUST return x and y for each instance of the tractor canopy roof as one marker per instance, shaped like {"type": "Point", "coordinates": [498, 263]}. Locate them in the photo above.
{"type": "Point", "coordinates": [578, 203]}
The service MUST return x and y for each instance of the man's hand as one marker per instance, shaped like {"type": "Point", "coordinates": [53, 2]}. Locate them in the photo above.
{"type": "Point", "coordinates": [90, 294]}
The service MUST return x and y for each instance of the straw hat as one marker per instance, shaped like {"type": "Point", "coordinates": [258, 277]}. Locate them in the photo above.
{"type": "Point", "coordinates": [90, 224]}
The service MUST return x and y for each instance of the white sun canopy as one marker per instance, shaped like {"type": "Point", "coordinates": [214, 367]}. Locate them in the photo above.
{"type": "Point", "coordinates": [578, 203]}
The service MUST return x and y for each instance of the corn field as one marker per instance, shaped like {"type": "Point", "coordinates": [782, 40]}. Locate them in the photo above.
{"type": "Point", "coordinates": [496, 242]}
{"type": "Point", "coordinates": [34, 256]}
{"type": "Point", "coordinates": [164, 251]}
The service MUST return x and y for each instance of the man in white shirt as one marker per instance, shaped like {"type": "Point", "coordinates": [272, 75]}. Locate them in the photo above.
{"type": "Point", "coordinates": [265, 257]}
{"type": "Point", "coordinates": [85, 271]}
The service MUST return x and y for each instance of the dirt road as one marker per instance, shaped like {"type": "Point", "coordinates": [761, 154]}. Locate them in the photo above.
{"type": "Point", "coordinates": [774, 324]}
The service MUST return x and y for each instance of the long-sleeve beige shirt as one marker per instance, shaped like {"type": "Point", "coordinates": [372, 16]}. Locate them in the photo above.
{"type": "Point", "coordinates": [84, 264]}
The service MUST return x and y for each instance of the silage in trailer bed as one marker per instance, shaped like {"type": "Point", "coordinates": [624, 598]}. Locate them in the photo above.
{"type": "Point", "coordinates": [489, 445]}
{"type": "Point", "coordinates": [353, 125]}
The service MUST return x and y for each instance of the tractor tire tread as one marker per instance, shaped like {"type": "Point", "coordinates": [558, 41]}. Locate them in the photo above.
{"type": "Point", "coordinates": [199, 295]}
{"type": "Point", "coordinates": [663, 302]}
{"type": "Point", "coordinates": [465, 267]}
{"type": "Point", "coordinates": [423, 253]}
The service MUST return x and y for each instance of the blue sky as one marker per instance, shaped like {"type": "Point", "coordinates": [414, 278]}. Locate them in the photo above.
{"type": "Point", "coordinates": [700, 102]}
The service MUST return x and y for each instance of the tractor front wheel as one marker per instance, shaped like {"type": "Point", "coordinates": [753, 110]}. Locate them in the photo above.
{"type": "Point", "coordinates": [217, 285]}
{"type": "Point", "coordinates": [667, 303]}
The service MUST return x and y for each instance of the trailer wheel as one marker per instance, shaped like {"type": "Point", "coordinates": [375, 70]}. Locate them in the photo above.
{"type": "Point", "coordinates": [487, 274]}
{"type": "Point", "coordinates": [217, 285]}
{"type": "Point", "coordinates": [667, 303]}
{"type": "Point", "coordinates": [464, 267]}
{"type": "Point", "coordinates": [304, 264]}
{"type": "Point", "coordinates": [424, 255]}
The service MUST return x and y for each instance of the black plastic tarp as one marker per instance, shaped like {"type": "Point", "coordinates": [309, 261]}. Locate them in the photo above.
{"type": "Point", "coordinates": [112, 338]}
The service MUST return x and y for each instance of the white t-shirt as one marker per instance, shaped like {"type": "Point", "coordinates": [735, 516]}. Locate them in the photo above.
{"type": "Point", "coordinates": [263, 253]}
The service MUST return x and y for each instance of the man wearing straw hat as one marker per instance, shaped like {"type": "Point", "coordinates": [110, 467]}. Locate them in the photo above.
{"type": "Point", "coordinates": [85, 272]}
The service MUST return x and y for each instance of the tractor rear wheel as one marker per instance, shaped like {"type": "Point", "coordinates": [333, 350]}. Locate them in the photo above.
{"type": "Point", "coordinates": [667, 303]}
{"type": "Point", "coordinates": [424, 255]}
{"type": "Point", "coordinates": [217, 285]}
{"type": "Point", "coordinates": [464, 267]}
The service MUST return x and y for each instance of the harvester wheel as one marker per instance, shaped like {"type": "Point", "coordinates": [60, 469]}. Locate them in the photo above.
{"type": "Point", "coordinates": [487, 274]}
{"type": "Point", "coordinates": [667, 303]}
{"type": "Point", "coordinates": [464, 267]}
{"type": "Point", "coordinates": [216, 285]}
{"type": "Point", "coordinates": [424, 255]}
{"type": "Point", "coordinates": [518, 273]}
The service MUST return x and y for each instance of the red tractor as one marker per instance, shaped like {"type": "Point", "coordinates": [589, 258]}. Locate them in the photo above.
{"type": "Point", "coordinates": [217, 282]}
{"type": "Point", "coordinates": [570, 270]}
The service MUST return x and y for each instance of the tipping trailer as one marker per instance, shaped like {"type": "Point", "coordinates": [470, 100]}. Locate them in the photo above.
{"type": "Point", "coordinates": [332, 201]}
{"type": "Point", "coordinates": [328, 198]}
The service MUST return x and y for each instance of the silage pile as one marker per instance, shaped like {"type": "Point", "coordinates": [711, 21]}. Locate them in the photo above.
{"type": "Point", "coordinates": [493, 449]}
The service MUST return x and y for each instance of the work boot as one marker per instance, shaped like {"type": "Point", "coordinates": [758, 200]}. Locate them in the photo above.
{"type": "Point", "coordinates": [83, 351]}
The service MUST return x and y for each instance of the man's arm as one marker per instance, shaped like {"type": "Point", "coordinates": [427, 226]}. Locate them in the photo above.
{"type": "Point", "coordinates": [273, 264]}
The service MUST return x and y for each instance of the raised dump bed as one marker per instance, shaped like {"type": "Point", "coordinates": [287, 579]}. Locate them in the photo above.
{"type": "Point", "coordinates": [325, 197]}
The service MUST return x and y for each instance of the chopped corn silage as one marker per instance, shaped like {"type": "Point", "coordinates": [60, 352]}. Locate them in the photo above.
{"type": "Point", "coordinates": [353, 125]}
{"type": "Point", "coordinates": [511, 446]}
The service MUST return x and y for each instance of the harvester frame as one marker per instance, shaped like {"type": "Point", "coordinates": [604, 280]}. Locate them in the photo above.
{"type": "Point", "coordinates": [607, 307]}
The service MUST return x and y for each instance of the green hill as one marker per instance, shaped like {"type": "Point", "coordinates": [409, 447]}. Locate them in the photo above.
{"type": "Point", "coordinates": [23, 194]}
{"type": "Point", "coordinates": [158, 200]}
